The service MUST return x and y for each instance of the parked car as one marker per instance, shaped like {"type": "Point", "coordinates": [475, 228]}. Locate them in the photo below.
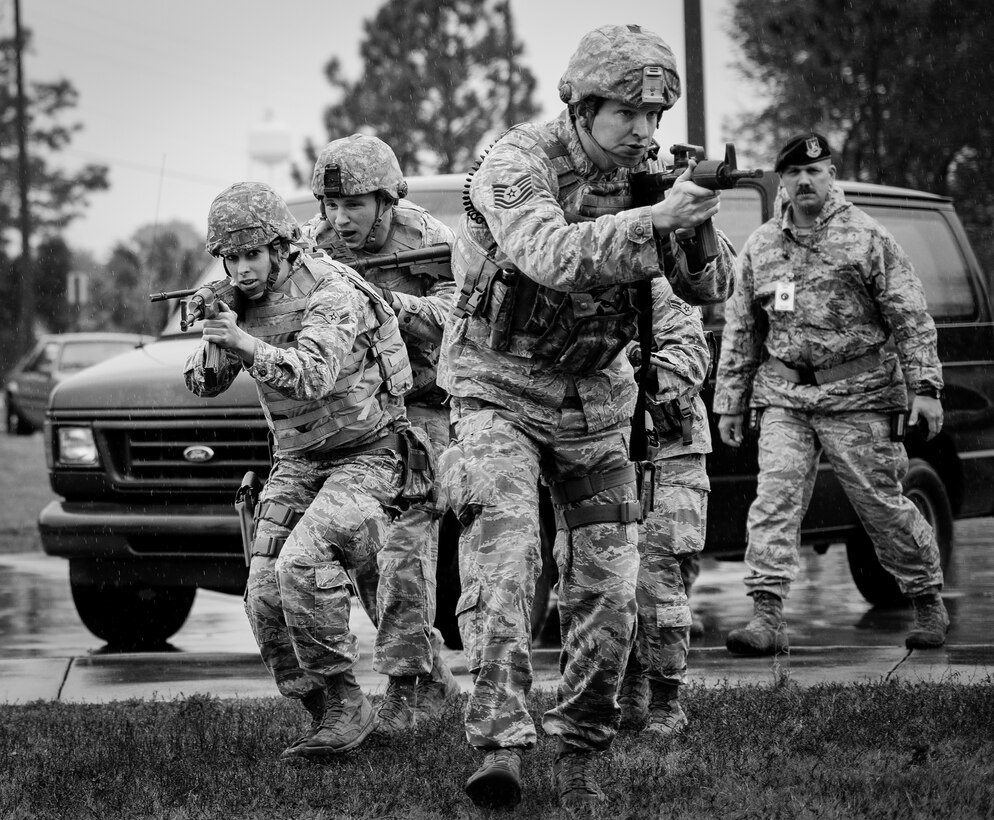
{"type": "Point", "coordinates": [143, 526]}
{"type": "Point", "coordinates": [54, 357]}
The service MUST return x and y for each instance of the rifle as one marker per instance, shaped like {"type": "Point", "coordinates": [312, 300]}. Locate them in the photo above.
{"type": "Point", "coordinates": [202, 304]}
{"type": "Point", "coordinates": [648, 188]}
{"type": "Point", "coordinates": [420, 261]}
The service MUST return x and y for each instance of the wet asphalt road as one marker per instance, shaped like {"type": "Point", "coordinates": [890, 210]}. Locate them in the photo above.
{"type": "Point", "coordinates": [37, 618]}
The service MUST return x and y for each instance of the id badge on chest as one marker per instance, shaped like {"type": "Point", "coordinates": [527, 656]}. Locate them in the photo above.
{"type": "Point", "coordinates": [784, 296]}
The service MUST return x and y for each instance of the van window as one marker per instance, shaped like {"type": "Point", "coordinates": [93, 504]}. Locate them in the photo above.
{"type": "Point", "coordinates": [741, 213]}
{"type": "Point", "coordinates": [927, 239]}
{"type": "Point", "coordinates": [445, 206]}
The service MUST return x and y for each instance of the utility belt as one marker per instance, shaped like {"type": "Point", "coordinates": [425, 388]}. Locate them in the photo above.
{"type": "Point", "coordinates": [813, 376]}
{"type": "Point", "coordinates": [411, 443]}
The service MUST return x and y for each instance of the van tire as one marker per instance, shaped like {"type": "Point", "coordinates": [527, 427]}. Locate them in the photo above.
{"type": "Point", "coordinates": [924, 487]}
{"type": "Point", "coordinates": [133, 617]}
{"type": "Point", "coordinates": [448, 587]}
{"type": "Point", "coordinates": [17, 425]}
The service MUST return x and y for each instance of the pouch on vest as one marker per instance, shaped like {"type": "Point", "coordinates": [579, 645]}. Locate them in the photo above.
{"type": "Point", "coordinates": [673, 419]}
{"type": "Point", "coordinates": [419, 466]}
{"type": "Point", "coordinates": [586, 331]}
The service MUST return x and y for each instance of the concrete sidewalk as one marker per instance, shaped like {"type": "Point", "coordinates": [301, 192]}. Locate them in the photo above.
{"type": "Point", "coordinates": [164, 676]}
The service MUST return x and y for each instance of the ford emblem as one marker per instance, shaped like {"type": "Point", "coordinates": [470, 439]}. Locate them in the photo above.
{"type": "Point", "coordinates": [198, 453]}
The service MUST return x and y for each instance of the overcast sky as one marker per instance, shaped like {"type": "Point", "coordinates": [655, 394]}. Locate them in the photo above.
{"type": "Point", "coordinates": [170, 92]}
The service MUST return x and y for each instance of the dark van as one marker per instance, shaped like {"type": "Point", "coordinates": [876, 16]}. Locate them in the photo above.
{"type": "Point", "coordinates": [142, 527]}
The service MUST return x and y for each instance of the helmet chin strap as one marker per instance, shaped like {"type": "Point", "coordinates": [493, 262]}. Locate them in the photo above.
{"type": "Point", "coordinates": [369, 241]}
{"type": "Point", "coordinates": [604, 161]}
{"type": "Point", "coordinates": [279, 252]}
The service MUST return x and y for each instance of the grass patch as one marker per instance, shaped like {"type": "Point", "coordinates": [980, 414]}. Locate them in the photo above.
{"type": "Point", "coordinates": [830, 751]}
{"type": "Point", "coordinates": [25, 491]}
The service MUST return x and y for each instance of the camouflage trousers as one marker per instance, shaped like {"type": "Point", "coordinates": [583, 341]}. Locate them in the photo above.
{"type": "Point", "coordinates": [298, 604]}
{"type": "Point", "coordinates": [869, 467]}
{"type": "Point", "coordinates": [670, 543]}
{"type": "Point", "coordinates": [490, 479]}
{"type": "Point", "coordinates": [407, 599]}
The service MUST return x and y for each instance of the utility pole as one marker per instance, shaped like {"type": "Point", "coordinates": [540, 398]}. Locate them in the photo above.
{"type": "Point", "coordinates": [510, 115]}
{"type": "Point", "coordinates": [694, 45]}
{"type": "Point", "coordinates": [27, 311]}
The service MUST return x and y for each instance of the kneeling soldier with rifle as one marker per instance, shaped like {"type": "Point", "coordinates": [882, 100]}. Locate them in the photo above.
{"type": "Point", "coordinates": [403, 252]}
{"type": "Point", "coordinates": [325, 351]}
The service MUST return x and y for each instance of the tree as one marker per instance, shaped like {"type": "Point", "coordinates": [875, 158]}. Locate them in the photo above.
{"type": "Point", "coordinates": [56, 196]}
{"type": "Point", "coordinates": [902, 89]}
{"type": "Point", "coordinates": [440, 81]}
{"type": "Point", "coordinates": [167, 257]}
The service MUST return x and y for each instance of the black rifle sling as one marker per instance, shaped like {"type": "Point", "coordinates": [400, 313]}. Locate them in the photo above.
{"type": "Point", "coordinates": [639, 448]}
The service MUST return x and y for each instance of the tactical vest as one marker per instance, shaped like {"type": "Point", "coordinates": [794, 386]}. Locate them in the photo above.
{"type": "Point", "coordinates": [361, 393]}
{"type": "Point", "coordinates": [577, 332]}
{"type": "Point", "coordinates": [407, 233]}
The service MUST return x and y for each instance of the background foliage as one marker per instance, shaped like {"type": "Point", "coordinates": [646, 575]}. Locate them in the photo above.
{"type": "Point", "coordinates": [902, 89]}
{"type": "Point", "coordinates": [439, 82]}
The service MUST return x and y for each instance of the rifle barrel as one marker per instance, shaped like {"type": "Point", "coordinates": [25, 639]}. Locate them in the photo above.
{"type": "Point", "coordinates": [170, 294]}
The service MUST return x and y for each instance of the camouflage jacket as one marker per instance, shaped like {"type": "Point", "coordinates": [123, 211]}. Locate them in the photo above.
{"type": "Point", "coordinates": [853, 290]}
{"type": "Point", "coordinates": [516, 192]}
{"type": "Point", "coordinates": [320, 367]}
{"type": "Point", "coordinates": [681, 360]}
{"type": "Point", "coordinates": [425, 294]}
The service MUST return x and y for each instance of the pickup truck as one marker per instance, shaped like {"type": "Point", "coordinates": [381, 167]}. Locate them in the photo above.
{"type": "Point", "coordinates": [145, 518]}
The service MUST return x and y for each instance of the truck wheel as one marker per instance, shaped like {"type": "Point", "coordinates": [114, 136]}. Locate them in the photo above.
{"type": "Point", "coordinates": [447, 575]}
{"type": "Point", "coordinates": [133, 617]}
{"type": "Point", "coordinates": [924, 487]}
{"type": "Point", "coordinates": [16, 425]}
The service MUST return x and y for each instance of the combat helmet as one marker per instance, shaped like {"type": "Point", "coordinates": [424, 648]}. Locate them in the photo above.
{"type": "Point", "coordinates": [248, 215]}
{"type": "Point", "coordinates": [355, 165]}
{"type": "Point", "coordinates": [624, 63]}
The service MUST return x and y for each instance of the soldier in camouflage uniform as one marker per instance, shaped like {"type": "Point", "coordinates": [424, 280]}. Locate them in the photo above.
{"type": "Point", "coordinates": [361, 189]}
{"type": "Point", "coordinates": [546, 264]}
{"type": "Point", "coordinates": [821, 289]}
{"type": "Point", "coordinates": [672, 536]}
{"type": "Point", "coordinates": [331, 369]}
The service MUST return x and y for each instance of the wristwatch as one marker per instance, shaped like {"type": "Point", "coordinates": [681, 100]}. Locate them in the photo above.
{"type": "Point", "coordinates": [931, 392]}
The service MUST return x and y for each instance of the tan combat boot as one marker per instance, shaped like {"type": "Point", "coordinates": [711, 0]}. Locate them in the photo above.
{"type": "Point", "coordinates": [931, 622]}
{"type": "Point", "coordinates": [633, 698]}
{"type": "Point", "coordinates": [574, 781]}
{"type": "Point", "coordinates": [666, 716]}
{"type": "Point", "coordinates": [497, 783]}
{"type": "Point", "coordinates": [396, 713]}
{"type": "Point", "coordinates": [347, 721]}
{"type": "Point", "coordinates": [437, 690]}
{"type": "Point", "coordinates": [314, 702]}
{"type": "Point", "coordinates": [766, 633]}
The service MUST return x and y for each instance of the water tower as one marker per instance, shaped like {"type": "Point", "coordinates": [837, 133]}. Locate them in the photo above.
{"type": "Point", "coordinates": [269, 147]}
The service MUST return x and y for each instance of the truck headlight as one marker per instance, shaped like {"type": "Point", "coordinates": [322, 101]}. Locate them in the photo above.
{"type": "Point", "coordinates": [76, 447]}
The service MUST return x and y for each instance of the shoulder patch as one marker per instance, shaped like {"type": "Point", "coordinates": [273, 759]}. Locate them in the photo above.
{"type": "Point", "coordinates": [679, 304]}
{"type": "Point", "coordinates": [510, 196]}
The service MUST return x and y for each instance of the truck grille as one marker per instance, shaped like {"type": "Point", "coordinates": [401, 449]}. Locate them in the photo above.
{"type": "Point", "coordinates": [190, 454]}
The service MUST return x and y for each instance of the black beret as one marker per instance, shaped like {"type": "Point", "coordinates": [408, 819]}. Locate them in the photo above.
{"type": "Point", "coordinates": [803, 149]}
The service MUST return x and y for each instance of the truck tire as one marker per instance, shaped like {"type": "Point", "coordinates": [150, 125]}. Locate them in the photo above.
{"type": "Point", "coordinates": [925, 488]}
{"type": "Point", "coordinates": [133, 617]}
{"type": "Point", "coordinates": [447, 575]}
{"type": "Point", "coordinates": [17, 425]}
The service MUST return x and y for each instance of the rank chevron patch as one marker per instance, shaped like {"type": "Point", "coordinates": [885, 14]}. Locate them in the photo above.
{"type": "Point", "coordinates": [510, 196]}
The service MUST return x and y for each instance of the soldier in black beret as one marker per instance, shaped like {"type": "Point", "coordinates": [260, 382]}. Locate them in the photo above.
{"type": "Point", "coordinates": [803, 149]}
{"type": "Point", "coordinates": [825, 332]}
